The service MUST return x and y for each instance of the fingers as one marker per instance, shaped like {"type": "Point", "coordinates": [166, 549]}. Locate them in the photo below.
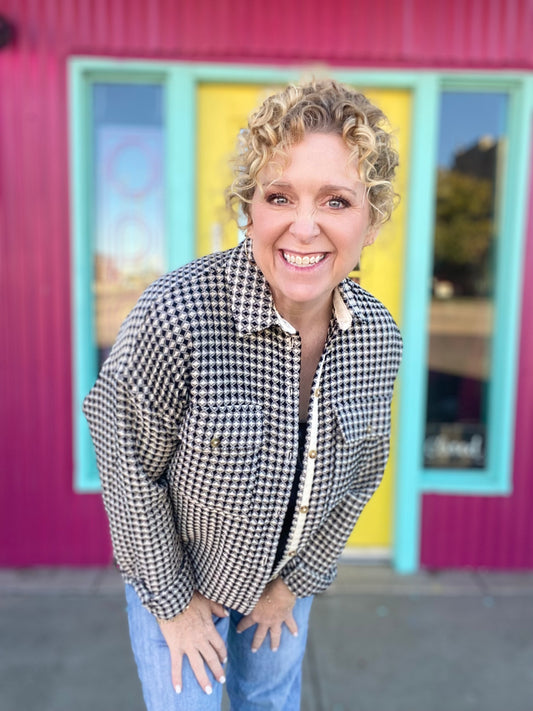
{"type": "Point", "coordinates": [198, 661]}
{"type": "Point", "coordinates": [219, 647]}
{"type": "Point", "coordinates": [245, 623]}
{"type": "Point", "coordinates": [259, 637]}
{"type": "Point", "coordinates": [275, 638]}
{"type": "Point", "coordinates": [176, 662]}
{"type": "Point", "coordinates": [195, 635]}
{"type": "Point", "coordinates": [291, 625]}
{"type": "Point", "coordinates": [211, 658]}
{"type": "Point", "coordinates": [198, 668]}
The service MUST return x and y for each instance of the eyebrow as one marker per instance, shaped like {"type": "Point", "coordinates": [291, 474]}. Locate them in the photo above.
{"type": "Point", "coordinates": [325, 188]}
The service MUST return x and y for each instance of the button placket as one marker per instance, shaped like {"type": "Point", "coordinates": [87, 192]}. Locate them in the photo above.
{"type": "Point", "coordinates": [308, 473]}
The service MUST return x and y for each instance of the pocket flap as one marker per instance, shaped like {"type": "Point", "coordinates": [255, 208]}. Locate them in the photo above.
{"type": "Point", "coordinates": [364, 420]}
{"type": "Point", "coordinates": [234, 428]}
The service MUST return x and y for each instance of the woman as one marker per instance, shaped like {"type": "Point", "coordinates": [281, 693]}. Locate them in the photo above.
{"type": "Point", "coordinates": [242, 420]}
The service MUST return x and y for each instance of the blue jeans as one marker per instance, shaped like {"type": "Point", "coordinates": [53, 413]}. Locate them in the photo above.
{"type": "Point", "coordinates": [264, 680]}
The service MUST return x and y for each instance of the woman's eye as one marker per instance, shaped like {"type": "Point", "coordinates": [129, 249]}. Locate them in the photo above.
{"type": "Point", "coordinates": [277, 199]}
{"type": "Point", "coordinates": [338, 202]}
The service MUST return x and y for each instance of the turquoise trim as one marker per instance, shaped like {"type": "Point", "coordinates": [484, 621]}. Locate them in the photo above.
{"type": "Point", "coordinates": [83, 357]}
{"type": "Point", "coordinates": [180, 122]}
{"type": "Point", "coordinates": [180, 81]}
{"type": "Point", "coordinates": [418, 261]}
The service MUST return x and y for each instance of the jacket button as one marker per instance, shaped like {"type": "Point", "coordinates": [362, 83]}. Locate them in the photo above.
{"type": "Point", "coordinates": [304, 509]}
{"type": "Point", "coordinates": [312, 454]}
{"type": "Point", "coordinates": [215, 441]}
{"type": "Point", "coordinates": [291, 554]}
{"type": "Point", "coordinates": [369, 429]}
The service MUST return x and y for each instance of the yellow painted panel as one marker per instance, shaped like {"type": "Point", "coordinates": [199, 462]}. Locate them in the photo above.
{"type": "Point", "coordinates": [382, 274]}
{"type": "Point", "coordinates": [222, 110]}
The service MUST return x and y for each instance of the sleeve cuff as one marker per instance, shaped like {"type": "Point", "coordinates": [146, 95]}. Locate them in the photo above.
{"type": "Point", "coordinates": [171, 601]}
{"type": "Point", "coordinates": [303, 581]}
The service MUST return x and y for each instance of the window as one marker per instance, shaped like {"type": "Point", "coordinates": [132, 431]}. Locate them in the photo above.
{"type": "Point", "coordinates": [131, 206]}
{"type": "Point", "coordinates": [129, 226]}
{"type": "Point", "coordinates": [471, 158]}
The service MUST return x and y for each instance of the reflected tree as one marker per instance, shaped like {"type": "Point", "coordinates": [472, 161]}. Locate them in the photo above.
{"type": "Point", "coordinates": [464, 232]}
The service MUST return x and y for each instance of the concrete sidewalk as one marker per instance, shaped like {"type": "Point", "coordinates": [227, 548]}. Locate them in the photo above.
{"type": "Point", "coordinates": [377, 642]}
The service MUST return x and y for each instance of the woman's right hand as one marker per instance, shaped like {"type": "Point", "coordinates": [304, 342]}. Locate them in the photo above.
{"type": "Point", "coordinates": [193, 633]}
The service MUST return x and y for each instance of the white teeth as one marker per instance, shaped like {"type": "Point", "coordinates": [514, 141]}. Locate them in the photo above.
{"type": "Point", "coordinates": [298, 261]}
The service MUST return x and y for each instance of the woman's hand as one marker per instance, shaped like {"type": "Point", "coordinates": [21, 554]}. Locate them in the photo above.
{"type": "Point", "coordinates": [193, 633]}
{"type": "Point", "coordinates": [272, 610]}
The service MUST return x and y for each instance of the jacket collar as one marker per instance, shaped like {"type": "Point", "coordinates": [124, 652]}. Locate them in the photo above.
{"type": "Point", "coordinates": [252, 305]}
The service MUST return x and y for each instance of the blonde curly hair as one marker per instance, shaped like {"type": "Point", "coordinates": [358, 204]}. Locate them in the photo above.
{"type": "Point", "coordinates": [323, 106]}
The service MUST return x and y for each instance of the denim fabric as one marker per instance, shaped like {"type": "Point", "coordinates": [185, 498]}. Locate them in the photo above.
{"type": "Point", "coordinates": [260, 681]}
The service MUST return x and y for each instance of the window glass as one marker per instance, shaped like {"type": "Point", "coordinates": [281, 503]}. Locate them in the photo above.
{"type": "Point", "coordinates": [471, 152]}
{"type": "Point", "coordinates": [129, 201]}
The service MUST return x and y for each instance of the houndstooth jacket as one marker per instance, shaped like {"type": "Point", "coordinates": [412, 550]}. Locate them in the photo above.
{"type": "Point", "coordinates": [194, 419]}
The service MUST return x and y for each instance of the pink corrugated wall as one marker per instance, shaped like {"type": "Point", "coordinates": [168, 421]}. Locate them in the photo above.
{"type": "Point", "coordinates": [41, 519]}
{"type": "Point", "coordinates": [493, 532]}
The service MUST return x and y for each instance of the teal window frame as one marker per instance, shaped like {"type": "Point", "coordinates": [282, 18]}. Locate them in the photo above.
{"type": "Point", "coordinates": [180, 82]}
{"type": "Point", "coordinates": [83, 74]}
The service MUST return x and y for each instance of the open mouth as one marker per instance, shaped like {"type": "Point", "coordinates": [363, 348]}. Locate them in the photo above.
{"type": "Point", "coordinates": [308, 260]}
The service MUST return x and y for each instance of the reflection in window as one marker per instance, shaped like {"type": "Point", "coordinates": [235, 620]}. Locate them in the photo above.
{"type": "Point", "coordinates": [129, 201]}
{"type": "Point", "coordinates": [471, 153]}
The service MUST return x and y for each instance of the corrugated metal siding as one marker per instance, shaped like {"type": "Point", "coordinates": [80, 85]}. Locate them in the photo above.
{"type": "Point", "coordinates": [493, 532]}
{"type": "Point", "coordinates": [474, 33]}
{"type": "Point", "coordinates": [41, 519]}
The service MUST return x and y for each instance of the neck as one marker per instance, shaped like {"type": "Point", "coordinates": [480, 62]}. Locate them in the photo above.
{"type": "Point", "coordinates": [307, 316]}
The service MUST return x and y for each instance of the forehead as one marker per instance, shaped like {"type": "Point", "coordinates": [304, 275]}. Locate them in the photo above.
{"type": "Point", "coordinates": [323, 155]}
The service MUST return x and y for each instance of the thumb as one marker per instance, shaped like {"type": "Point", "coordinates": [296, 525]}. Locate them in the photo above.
{"type": "Point", "coordinates": [218, 610]}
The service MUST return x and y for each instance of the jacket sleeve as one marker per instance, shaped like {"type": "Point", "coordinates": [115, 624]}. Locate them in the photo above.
{"type": "Point", "coordinates": [133, 427]}
{"type": "Point", "coordinates": [314, 567]}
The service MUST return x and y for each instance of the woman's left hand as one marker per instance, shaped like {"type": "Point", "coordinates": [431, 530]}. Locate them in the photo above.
{"type": "Point", "coordinates": [272, 610]}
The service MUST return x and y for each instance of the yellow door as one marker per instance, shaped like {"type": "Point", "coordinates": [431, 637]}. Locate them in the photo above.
{"type": "Point", "coordinates": [222, 112]}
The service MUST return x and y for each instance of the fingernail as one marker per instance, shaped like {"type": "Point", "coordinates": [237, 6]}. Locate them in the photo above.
{"type": "Point", "coordinates": [254, 650]}
{"type": "Point", "coordinates": [275, 649]}
{"type": "Point", "coordinates": [222, 679]}
{"type": "Point", "coordinates": [226, 613]}
{"type": "Point", "coordinates": [224, 660]}
{"type": "Point", "coordinates": [208, 689]}
{"type": "Point", "coordinates": [177, 689]}
{"type": "Point", "coordinates": [295, 634]}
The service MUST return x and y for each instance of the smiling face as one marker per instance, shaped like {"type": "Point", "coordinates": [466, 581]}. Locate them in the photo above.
{"type": "Point", "coordinates": [310, 222]}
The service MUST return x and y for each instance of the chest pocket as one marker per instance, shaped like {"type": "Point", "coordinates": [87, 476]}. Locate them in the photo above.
{"type": "Point", "coordinates": [215, 463]}
{"type": "Point", "coordinates": [363, 428]}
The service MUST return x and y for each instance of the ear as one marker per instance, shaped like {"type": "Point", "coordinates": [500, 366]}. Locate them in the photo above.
{"type": "Point", "coordinates": [370, 236]}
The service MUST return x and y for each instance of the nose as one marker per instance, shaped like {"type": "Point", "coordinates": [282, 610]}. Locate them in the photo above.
{"type": "Point", "coordinates": [304, 227]}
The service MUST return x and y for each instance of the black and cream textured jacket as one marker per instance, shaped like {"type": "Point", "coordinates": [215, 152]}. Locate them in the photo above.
{"type": "Point", "coordinates": [194, 418]}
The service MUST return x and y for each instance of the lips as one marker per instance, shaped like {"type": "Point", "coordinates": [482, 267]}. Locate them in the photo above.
{"type": "Point", "coordinates": [307, 260]}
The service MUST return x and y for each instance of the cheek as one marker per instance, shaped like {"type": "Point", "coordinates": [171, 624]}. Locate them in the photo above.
{"type": "Point", "coordinates": [267, 225]}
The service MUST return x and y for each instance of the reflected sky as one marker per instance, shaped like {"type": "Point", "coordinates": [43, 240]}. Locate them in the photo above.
{"type": "Point", "coordinates": [465, 118]}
